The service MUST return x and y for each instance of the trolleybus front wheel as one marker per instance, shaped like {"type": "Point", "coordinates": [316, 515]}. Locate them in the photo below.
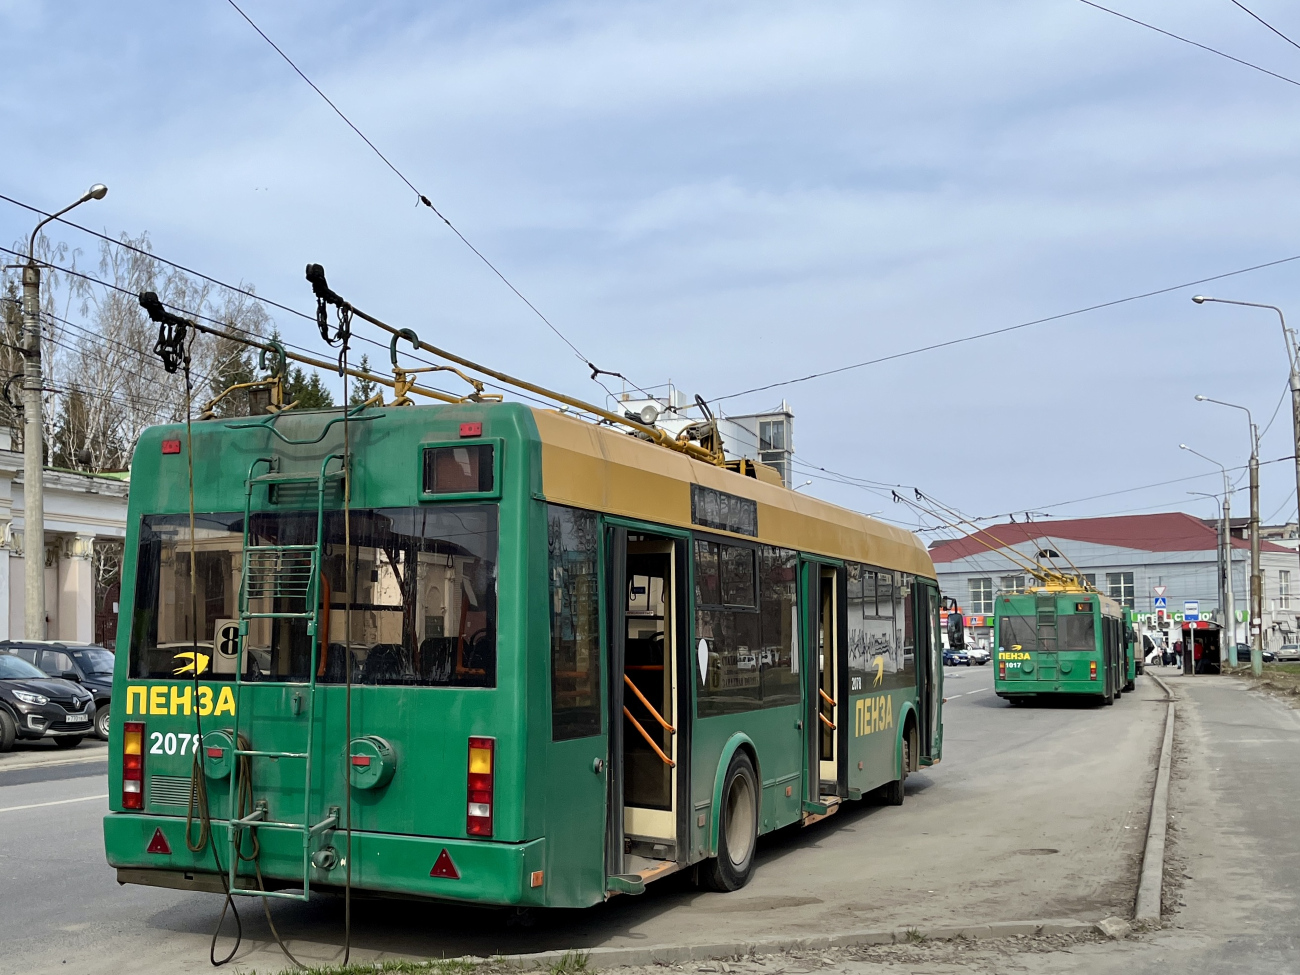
{"type": "Point", "coordinates": [737, 830]}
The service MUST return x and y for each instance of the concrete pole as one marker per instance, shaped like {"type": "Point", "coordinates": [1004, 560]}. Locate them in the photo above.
{"type": "Point", "coordinates": [34, 433]}
{"type": "Point", "coordinates": [1256, 578]}
{"type": "Point", "coordinates": [33, 459]}
{"type": "Point", "coordinates": [1229, 602]}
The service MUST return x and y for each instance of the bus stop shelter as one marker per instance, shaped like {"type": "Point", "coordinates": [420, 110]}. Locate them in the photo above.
{"type": "Point", "coordinates": [1203, 647]}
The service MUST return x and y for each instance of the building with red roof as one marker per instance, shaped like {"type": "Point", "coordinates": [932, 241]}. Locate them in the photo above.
{"type": "Point", "coordinates": [1127, 557]}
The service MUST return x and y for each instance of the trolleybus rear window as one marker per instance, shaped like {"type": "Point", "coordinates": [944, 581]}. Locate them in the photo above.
{"type": "Point", "coordinates": [420, 597]}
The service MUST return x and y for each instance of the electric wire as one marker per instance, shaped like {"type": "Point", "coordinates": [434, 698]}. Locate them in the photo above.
{"type": "Point", "coordinates": [230, 326]}
{"type": "Point", "coordinates": [1187, 40]}
{"type": "Point", "coordinates": [421, 198]}
{"type": "Point", "coordinates": [1266, 24]}
{"type": "Point", "coordinates": [1002, 331]}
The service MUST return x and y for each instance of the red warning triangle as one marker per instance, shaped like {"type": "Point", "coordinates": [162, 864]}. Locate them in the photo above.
{"type": "Point", "coordinates": [159, 843]}
{"type": "Point", "coordinates": [443, 867]}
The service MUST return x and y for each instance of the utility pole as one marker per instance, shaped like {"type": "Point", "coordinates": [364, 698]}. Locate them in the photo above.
{"type": "Point", "coordinates": [1293, 364]}
{"type": "Point", "coordinates": [1256, 577]}
{"type": "Point", "coordinates": [34, 434]}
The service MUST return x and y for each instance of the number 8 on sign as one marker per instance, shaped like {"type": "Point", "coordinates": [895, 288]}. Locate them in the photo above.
{"type": "Point", "coordinates": [225, 644]}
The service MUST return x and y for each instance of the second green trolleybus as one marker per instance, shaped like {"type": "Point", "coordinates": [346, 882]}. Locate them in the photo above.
{"type": "Point", "coordinates": [538, 662]}
{"type": "Point", "coordinates": [1060, 640]}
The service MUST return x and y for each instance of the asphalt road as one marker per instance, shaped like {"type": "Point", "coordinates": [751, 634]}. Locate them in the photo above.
{"type": "Point", "coordinates": [1034, 812]}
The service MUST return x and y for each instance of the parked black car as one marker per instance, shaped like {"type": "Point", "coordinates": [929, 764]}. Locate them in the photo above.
{"type": "Point", "coordinates": [33, 705]}
{"type": "Point", "coordinates": [1243, 654]}
{"type": "Point", "coordinates": [89, 665]}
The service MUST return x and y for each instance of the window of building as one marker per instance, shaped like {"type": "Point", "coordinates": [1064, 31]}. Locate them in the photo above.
{"type": "Point", "coordinates": [1119, 585]}
{"type": "Point", "coordinates": [1011, 584]}
{"type": "Point", "coordinates": [1091, 579]}
{"type": "Point", "coordinates": [571, 544]}
{"type": "Point", "coordinates": [771, 435]}
{"type": "Point", "coordinates": [981, 597]}
{"type": "Point", "coordinates": [1284, 588]}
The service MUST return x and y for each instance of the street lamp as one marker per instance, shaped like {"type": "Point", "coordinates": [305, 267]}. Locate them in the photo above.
{"type": "Point", "coordinates": [33, 432]}
{"type": "Point", "coordinates": [1256, 579]}
{"type": "Point", "coordinates": [1226, 599]}
{"type": "Point", "coordinates": [1293, 363]}
{"type": "Point", "coordinates": [801, 486]}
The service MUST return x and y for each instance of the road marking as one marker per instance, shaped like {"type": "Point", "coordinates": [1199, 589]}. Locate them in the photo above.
{"type": "Point", "coordinates": [53, 762]}
{"type": "Point", "coordinates": [953, 697]}
{"type": "Point", "coordinates": [56, 802]}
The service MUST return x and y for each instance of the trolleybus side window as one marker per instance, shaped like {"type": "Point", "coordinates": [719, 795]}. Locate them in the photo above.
{"type": "Point", "coordinates": [745, 617]}
{"type": "Point", "coordinates": [572, 547]}
{"type": "Point", "coordinates": [879, 630]}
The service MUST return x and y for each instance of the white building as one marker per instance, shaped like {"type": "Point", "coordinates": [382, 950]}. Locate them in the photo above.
{"type": "Point", "coordinates": [765, 437]}
{"type": "Point", "coordinates": [85, 524]}
{"type": "Point", "coordinates": [1125, 557]}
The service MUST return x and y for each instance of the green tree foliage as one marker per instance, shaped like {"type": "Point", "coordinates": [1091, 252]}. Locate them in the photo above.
{"type": "Point", "coordinates": [307, 390]}
{"type": "Point", "coordinates": [362, 389]}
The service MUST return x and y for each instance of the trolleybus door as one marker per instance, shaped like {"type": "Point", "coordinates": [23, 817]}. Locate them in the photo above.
{"type": "Point", "coordinates": [826, 683]}
{"type": "Point", "coordinates": [649, 704]}
{"type": "Point", "coordinates": [929, 669]}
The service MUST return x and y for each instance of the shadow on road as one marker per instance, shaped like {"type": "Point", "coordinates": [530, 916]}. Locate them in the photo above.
{"type": "Point", "coordinates": [430, 929]}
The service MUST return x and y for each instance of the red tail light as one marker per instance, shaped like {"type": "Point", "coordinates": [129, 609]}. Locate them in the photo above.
{"type": "Point", "coordinates": [133, 765]}
{"type": "Point", "coordinates": [1002, 670]}
{"type": "Point", "coordinates": [1092, 670]}
{"type": "Point", "coordinates": [482, 759]}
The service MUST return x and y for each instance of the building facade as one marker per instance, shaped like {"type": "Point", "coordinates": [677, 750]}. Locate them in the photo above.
{"type": "Point", "coordinates": [1126, 557]}
{"type": "Point", "coordinates": [85, 524]}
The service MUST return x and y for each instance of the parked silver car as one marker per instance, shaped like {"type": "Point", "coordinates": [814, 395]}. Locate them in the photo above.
{"type": "Point", "coordinates": [1288, 653]}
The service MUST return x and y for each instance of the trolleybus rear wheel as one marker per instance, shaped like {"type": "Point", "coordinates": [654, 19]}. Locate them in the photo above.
{"type": "Point", "coordinates": [894, 791]}
{"type": "Point", "coordinates": [737, 830]}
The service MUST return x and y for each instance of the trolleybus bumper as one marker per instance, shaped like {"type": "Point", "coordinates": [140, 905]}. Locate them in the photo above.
{"type": "Point", "coordinates": [487, 872]}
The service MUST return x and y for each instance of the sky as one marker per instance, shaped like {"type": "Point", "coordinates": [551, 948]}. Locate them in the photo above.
{"type": "Point", "coordinates": [728, 195]}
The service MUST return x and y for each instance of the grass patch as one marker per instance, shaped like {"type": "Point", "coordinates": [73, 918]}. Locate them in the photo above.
{"type": "Point", "coordinates": [570, 963]}
{"type": "Point", "coordinates": [914, 936]}
{"type": "Point", "coordinates": [1282, 669]}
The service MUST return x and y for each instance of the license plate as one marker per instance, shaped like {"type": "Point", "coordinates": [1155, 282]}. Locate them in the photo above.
{"type": "Point", "coordinates": [75, 718]}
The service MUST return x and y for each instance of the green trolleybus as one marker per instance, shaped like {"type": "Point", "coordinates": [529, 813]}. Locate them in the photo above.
{"type": "Point", "coordinates": [1059, 641]}
{"type": "Point", "coordinates": [527, 660]}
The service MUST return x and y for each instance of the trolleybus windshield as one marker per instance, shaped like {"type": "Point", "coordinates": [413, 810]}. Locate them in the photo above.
{"type": "Point", "coordinates": [421, 597]}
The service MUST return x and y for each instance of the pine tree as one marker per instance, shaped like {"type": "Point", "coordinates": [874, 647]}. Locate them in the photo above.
{"type": "Point", "coordinates": [307, 390]}
{"type": "Point", "coordinates": [362, 389]}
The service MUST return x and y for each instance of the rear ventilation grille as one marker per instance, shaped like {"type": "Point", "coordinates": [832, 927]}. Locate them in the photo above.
{"type": "Point", "coordinates": [170, 790]}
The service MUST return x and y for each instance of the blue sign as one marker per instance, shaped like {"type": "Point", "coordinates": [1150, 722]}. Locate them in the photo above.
{"type": "Point", "coordinates": [1161, 602]}
{"type": "Point", "coordinates": [1192, 610]}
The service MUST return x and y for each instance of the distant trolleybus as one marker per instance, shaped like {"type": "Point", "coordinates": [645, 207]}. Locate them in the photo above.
{"type": "Point", "coordinates": [1056, 641]}
{"type": "Point", "coordinates": [538, 662]}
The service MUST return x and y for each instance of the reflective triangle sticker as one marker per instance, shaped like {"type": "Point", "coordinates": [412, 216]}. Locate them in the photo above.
{"type": "Point", "coordinates": [443, 867]}
{"type": "Point", "coordinates": [159, 843]}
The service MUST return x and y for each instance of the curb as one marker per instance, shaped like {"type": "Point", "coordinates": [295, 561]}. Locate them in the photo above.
{"type": "Point", "coordinates": [1147, 907]}
{"type": "Point", "coordinates": [676, 954]}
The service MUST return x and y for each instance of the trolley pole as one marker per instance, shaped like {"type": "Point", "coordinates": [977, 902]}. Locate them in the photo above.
{"type": "Point", "coordinates": [34, 434]}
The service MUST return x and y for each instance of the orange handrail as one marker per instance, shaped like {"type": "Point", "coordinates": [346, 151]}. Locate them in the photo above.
{"type": "Point", "coordinates": [826, 697]}
{"type": "Point", "coordinates": [649, 707]}
{"type": "Point", "coordinates": [826, 721]}
{"type": "Point", "coordinates": [649, 741]}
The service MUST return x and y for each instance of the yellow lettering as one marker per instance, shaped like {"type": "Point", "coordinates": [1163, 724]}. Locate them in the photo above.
{"type": "Point", "coordinates": [225, 702]}
{"type": "Point", "coordinates": [182, 701]}
{"type": "Point", "coordinates": [205, 700]}
{"type": "Point", "coordinates": [131, 694]}
{"type": "Point", "coordinates": [889, 712]}
{"type": "Point", "coordinates": [158, 699]}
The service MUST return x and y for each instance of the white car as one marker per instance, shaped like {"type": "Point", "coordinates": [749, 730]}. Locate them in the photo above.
{"type": "Point", "coordinates": [1288, 653]}
{"type": "Point", "coordinates": [978, 655]}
